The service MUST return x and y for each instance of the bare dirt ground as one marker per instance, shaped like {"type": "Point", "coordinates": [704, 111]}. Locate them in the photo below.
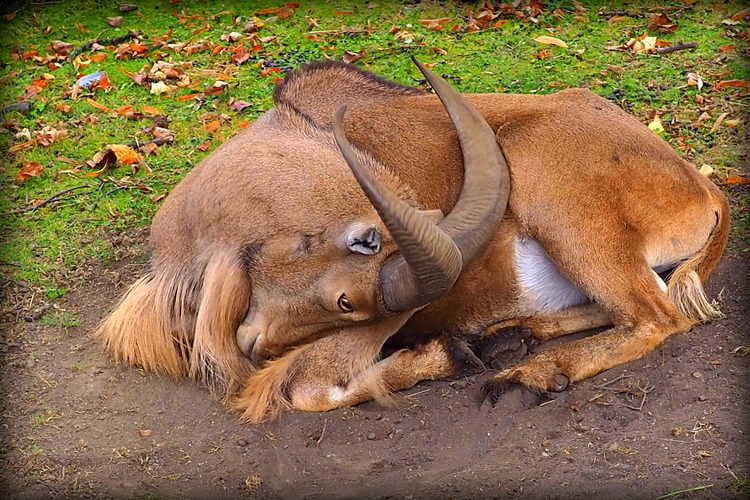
{"type": "Point", "coordinates": [75, 425]}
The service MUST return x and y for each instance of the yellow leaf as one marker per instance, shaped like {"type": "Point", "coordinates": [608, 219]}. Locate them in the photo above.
{"type": "Point", "coordinates": [159, 88]}
{"type": "Point", "coordinates": [706, 170]}
{"type": "Point", "coordinates": [125, 154]}
{"type": "Point", "coordinates": [550, 40]}
{"type": "Point", "coordinates": [656, 125]}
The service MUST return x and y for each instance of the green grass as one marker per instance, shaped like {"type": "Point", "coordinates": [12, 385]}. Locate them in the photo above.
{"type": "Point", "coordinates": [44, 246]}
{"type": "Point", "coordinates": [62, 319]}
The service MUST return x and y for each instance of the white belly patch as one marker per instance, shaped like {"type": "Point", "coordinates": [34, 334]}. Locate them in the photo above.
{"type": "Point", "coordinates": [543, 287]}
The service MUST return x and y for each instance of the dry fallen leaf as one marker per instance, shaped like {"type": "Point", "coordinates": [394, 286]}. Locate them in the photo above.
{"type": "Point", "coordinates": [241, 54]}
{"type": "Point", "coordinates": [718, 122]}
{"type": "Point", "coordinates": [217, 88]}
{"type": "Point", "coordinates": [349, 57]}
{"type": "Point", "coordinates": [114, 21]}
{"type": "Point", "coordinates": [125, 154]}
{"type": "Point", "coordinates": [100, 159]}
{"type": "Point", "coordinates": [61, 48]}
{"type": "Point", "coordinates": [48, 135]}
{"type": "Point", "coordinates": [662, 22]}
{"type": "Point", "coordinates": [98, 106]}
{"type": "Point", "coordinates": [30, 169]}
{"type": "Point", "coordinates": [150, 110]}
{"type": "Point", "coordinates": [238, 104]}
{"type": "Point", "coordinates": [435, 24]}
{"type": "Point", "coordinates": [550, 40]}
{"type": "Point", "coordinates": [695, 79]}
{"type": "Point", "coordinates": [22, 145]}
{"type": "Point", "coordinates": [158, 88]}
{"type": "Point", "coordinates": [736, 179]}
{"type": "Point", "coordinates": [706, 170]}
{"type": "Point", "coordinates": [642, 44]}
{"type": "Point", "coordinates": [732, 83]}
{"type": "Point", "coordinates": [656, 125]}
{"type": "Point", "coordinates": [212, 125]}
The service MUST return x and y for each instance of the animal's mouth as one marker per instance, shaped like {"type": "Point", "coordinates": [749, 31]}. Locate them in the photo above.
{"type": "Point", "coordinates": [259, 353]}
{"type": "Point", "coordinates": [252, 345]}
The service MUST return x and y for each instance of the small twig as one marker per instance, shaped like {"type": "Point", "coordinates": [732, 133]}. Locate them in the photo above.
{"type": "Point", "coordinates": [322, 433]}
{"type": "Point", "coordinates": [611, 381]}
{"type": "Point", "coordinates": [47, 201]}
{"type": "Point", "coordinates": [677, 46]}
{"type": "Point", "coordinates": [107, 41]}
{"type": "Point", "coordinates": [159, 141]}
{"type": "Point", "coordinates": [612, 13]}
{"type": "Point", "coordinates": [338, 32]}
{"type": "Point", "coordinates": [417, 393]}
{"type": "Point", "coordinates": [675, 493]}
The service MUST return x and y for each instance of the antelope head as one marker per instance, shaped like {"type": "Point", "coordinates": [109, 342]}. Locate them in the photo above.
{"type": "Point", "coordinates": [379, 263]}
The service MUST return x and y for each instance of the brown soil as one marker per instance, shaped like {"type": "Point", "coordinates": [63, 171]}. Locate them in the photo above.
{"type": "Point", "coordinates": [75, 425]}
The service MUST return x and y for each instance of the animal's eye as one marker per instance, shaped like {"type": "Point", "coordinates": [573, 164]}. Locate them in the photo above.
{"type": "Point", "coordinates": [344, 304]}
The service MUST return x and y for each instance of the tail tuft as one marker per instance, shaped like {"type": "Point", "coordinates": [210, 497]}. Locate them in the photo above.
{"type": "Point", "coordinates": [686, 291]}
{"type": "Point", "coordinates": [685, 286]}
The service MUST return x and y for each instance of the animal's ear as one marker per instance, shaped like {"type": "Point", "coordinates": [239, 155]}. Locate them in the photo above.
{"type": "Point", "coordinates": [364, 239]}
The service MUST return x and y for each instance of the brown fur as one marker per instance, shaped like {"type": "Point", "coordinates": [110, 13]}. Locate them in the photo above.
{"type": "Point", "coordinates": [249, 244]}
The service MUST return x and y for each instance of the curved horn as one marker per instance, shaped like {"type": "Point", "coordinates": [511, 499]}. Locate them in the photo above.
{"type": "Point", "coordinates": [432, 256]}
{"type": "Point", "coordinates": [434, 261]}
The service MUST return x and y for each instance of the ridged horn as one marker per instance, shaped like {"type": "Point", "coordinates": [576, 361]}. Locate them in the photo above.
{"type": "Point", "coordinates": [432, 256]}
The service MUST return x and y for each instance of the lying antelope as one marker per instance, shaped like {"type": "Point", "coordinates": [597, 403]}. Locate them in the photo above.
{"type": "Point", "coordinates": [562, 214]}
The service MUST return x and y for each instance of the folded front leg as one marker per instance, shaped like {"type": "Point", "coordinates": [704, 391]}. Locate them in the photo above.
{"type": "Point", "coordinates": [343, 370]}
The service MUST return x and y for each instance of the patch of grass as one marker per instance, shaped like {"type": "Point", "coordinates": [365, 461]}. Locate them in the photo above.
{"type": "Point", "coordinates": [741, 484]}
{"type": "Point", "coordinates": [63, 319]}
{"type": "Point", "coordinates": [42, 419]}
{"type": "Point", "coordinates": [43, 246]}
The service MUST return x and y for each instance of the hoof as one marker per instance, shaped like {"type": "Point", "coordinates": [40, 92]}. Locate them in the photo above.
{"type": "Point", "coordinates": [510, 394]}
{"type": "Point", "coordinates": [464, 359]}
{"type": "Point", "coordinates": [560, 383]}
{"type": "Point", "coordinates": [505, 348]}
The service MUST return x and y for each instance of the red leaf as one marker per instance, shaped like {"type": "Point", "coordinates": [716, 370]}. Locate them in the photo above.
{"type": "Point", "coordinates": [98, 106]}
{"type": "Point", "coordinates": [241, 54]}
{"type": "Point", "coordinates": [187, 97]}
{"type": "Point", "coordinates": [736, 179]}
{"type": "Point", "coordinates": [732, 83]}
{"type": "Point", "coordinates": [31, 169]}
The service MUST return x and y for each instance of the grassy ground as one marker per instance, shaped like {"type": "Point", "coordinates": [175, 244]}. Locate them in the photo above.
{"type": "Point", "coordinates": [43, 245]}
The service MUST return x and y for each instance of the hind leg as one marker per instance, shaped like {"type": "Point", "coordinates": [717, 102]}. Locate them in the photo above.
{"type": "Point", "coordinates": [555, 324]}
{"type": "Point", "coordinates": [641, 311]}
{"type": "Point", "coordinates": [506, 343]}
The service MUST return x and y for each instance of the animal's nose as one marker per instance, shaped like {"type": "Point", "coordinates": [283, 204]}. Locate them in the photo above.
{"type": "Point", "coordinates": [259, 352]}
{"type": "Point", "coordinates": [246, 340]}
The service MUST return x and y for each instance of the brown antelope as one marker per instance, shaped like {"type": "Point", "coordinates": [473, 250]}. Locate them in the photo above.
{"type": "Point", "coordinates": [562, 214]}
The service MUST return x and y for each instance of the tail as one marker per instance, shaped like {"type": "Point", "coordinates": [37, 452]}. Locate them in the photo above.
{"type": "Point", "coordinates": [182, 321]}
{"type": "Point", "coordinates": [685, 286]}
